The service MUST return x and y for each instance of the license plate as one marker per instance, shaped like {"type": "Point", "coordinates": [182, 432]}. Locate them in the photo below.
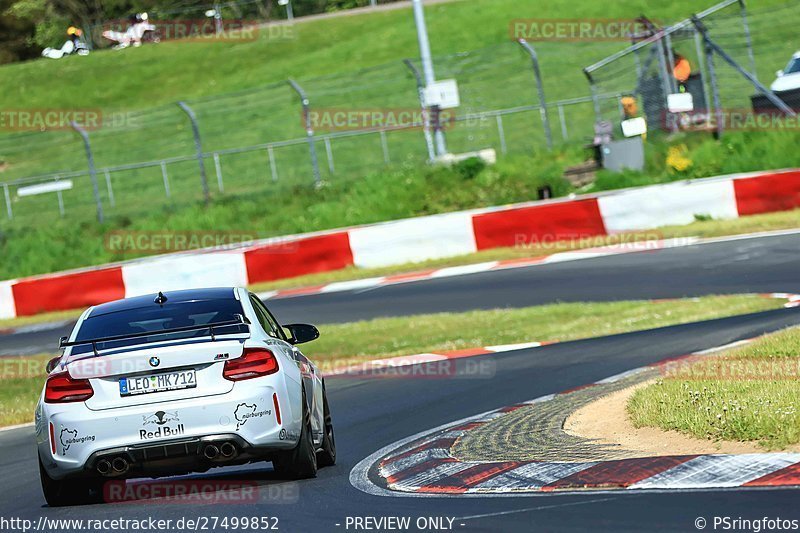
{"type": "Point", "coordinates": [165, 381]}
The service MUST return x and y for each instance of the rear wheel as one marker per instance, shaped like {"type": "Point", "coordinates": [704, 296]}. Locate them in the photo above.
{"type": "Point", "coordinates": [59, 493]}
{"type": "Point", "coordinates": [300, 462]}
{"type": "Point", "coordinates": [327, 455]}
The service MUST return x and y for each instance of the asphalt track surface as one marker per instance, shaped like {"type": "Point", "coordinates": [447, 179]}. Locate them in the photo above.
{"type": "Point", "coordinates": [372, 413]}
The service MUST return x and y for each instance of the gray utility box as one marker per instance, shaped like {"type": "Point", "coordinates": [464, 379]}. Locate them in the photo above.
{"type": "Point", "coordinates": [626, 153]}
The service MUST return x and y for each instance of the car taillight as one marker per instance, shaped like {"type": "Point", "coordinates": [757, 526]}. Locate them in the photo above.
{"type": "Point", "coordinates": [254, 362]}
{"type": "Point", "coordinates": [61, 388]}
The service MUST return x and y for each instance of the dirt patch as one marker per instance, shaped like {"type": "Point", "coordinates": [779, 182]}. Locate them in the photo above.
{"type": "Point", "coordinates": [605, 421]}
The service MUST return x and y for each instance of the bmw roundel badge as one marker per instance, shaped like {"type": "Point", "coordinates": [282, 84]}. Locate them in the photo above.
{"type": "Point", "coordinates": [155, 361]}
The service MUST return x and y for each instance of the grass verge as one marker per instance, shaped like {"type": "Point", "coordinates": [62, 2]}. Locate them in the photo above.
{"type": "Point", "coordinates": [21, 378]}
{"type": "Point", "coordinates": [21, 382]}
{"type": "Point", "coordinates": [387, 337]}
{"type": "Point", "coordinates": [750, 394]}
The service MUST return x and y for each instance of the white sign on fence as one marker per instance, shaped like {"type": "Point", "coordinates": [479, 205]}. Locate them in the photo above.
{"type": "Point", "coordinates": [42, 188]}
{"type": "Point", "coordinates": [443, 94]}
{"type": "Point", "coordinates": [680, 103]}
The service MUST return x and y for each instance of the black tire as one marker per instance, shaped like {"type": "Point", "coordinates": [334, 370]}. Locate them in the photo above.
{"type": "Point", "coordinates": [58, 493]}
{"type": "Point", "coordinates": [300, 462]}
{"type": "Point", "coordinates": [327, 455]}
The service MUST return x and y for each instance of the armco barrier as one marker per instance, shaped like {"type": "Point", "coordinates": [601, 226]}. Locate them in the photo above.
{"type": "Point", "coordinates": [7, 307]}
{"type": "Point", "coordinates": [767, 193]}
{"type": "Point", "coordinates": [538, 223]}
{"type": "Point", "coordinates": [411, 240]}
{"type": "Point", "coordinates": [184, 271]}
{"type": "Point", "coordinates": [67, 291]}
{"type": "Point", "coordinates": [673, 204]}
{"type": "Point", "coordinates": [296, 257]}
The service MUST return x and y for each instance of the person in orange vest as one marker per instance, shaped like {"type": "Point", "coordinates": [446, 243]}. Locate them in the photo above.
{"type": "Point", "coordinates": [681, 70]}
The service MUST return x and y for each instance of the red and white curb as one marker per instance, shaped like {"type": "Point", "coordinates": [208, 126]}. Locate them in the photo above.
{"type": "Point", "coordinates": [379, 366]}
{"type": "Point", "coordinates": [422, 465]}
{"type": "Point", "coordinates": [793, 299]}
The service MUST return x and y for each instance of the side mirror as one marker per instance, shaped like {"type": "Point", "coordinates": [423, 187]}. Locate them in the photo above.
{"type": "Point", "coordinates": [302, 333]}
{"type": "Point", "coordinates": [52, 364]}
{"type": "Point", "coordinates": [779, 73]}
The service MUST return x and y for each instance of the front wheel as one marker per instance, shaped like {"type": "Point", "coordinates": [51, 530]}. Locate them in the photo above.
{"type": "Point", "coordinates": [300, 462]}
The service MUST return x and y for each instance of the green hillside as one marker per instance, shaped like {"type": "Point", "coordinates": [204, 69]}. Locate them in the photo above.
{"type": "Point", "coordinates": [239, 92]}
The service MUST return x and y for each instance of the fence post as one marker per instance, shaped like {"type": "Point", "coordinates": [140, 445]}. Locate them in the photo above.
{"type": "Point", "coordinates": [563, 120]}
{"type": "Point", "coordinates": [110, 189]}
{"type": "Point", "coordinates": [218, 28]}
{"type": "Point", "coordinates": [598, 115]}
{"type": "Point", "coordinates": [542, 102]}
{"type": "Point", "coordinates": [218, 168]}
{"type": "Point", "coordinates": [673, 83]}
{"type": "Point", "coordinates": [698, 44]}
{"type": "Point", "coordinates": [273, 169]}
{"type": "Point", "coordinates": [309, 129]}
{"type": "Point", "coordinates": [198, 145]}
{"type": "Point", "coordinates": [501, 132]}
{"type": "Point", "coordinates": [712, 78]}
{"type": "Point", "coordinates": [748, 37]}
{"type": "Point", "coordinates": [427, 71]}
{"type": "Point", "coordinates": [92, 171]}
{"type": "Point", "coordinates": [329, 155]}
{"type": "Point", "coordinates": [9, 212]}
{"type": "Point", "coordinates": [165, 177]}
{"type": "Point", "coordinates": [666, 84]}
{"type": "Point", "coordinates": [60, 199]}
{"type": "Point", "coordinates": [426, 124]}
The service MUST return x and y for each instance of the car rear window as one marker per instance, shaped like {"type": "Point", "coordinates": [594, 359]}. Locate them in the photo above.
{"type": "Point", "coordinates": [155, 319]}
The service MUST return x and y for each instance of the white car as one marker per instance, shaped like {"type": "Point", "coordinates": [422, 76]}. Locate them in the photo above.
{"type": "Point", "coordinates": [789, 77]}
{"type": "Point", "coordinates": [175, 383]}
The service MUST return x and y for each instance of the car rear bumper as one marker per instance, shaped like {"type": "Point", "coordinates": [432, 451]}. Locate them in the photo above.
{"type": "Point", "coordinates": [168, 437]}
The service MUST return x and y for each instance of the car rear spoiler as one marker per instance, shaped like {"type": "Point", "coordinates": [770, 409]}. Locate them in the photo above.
{"type": "Point", "coordinates": [240, 320]}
